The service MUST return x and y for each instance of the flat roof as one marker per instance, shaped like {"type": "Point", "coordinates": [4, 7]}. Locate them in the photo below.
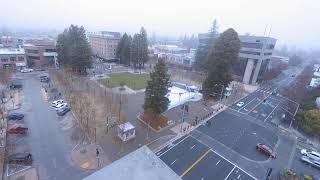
{"type": "Point", "coordinates": [141, 164]}
{"type": "Point", "coordinates": [126, 126]}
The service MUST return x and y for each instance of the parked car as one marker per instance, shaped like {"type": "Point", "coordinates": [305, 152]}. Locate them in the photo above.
{"type": "Point", "coordinates": [15, 116]}
{"type": "Point", "coordinates": [266, 150]}
{"type": "Point", "coordinates": [23, 157]}
{"type": "Point", "coordinates": [57, 102]}
{"type": "Point", "coordinates": [44, 79]}
{"type": "Point", "coordinates": [63, 111]}
{"type": "Point", "coordinates": [18, 130]}
{"type": "Point", "coordinates": [62, 105]}
{"type": "Point", "coordinates": [15, 85]}
{"type": "Point", "coordinates": [240, 104]}
{"type": "Point", "coordinates": [311, 154]}
{"type": "Point", "coordinates": [26, 70]}
{"type": "Point", "coordinates": [310, 161]}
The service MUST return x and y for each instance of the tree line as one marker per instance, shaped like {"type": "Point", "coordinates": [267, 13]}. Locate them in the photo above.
{"type": "Point", "coordinates": [133, 50]}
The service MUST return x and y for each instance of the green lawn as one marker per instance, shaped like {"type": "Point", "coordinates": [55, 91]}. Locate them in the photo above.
{"type": "Point", "coordinates": [133, 81]}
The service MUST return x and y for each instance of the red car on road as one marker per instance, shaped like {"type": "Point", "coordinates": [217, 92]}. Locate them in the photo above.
{"type": "Point", "coordinates": [266, 150]}
{"type": "Point", "coordinates": [18, 130]}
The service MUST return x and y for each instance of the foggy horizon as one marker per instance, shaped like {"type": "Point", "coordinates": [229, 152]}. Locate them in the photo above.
{"type": "Point", "coordinates": [293, 23]}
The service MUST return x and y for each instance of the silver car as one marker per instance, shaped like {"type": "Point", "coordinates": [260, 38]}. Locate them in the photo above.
{"type": "Point", "coordinates": [311, 154]}
{"type": "Point", "coordinates": [310, 161]}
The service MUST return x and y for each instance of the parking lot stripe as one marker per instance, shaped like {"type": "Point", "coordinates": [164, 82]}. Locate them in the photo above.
{"type": "Point", "coordinates": [193, 164]}
{"type": "Point", "coordinates": [230, 172]}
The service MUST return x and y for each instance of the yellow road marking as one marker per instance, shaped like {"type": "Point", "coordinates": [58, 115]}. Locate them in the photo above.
{"type": "Point", "coordinates": [195, 163]}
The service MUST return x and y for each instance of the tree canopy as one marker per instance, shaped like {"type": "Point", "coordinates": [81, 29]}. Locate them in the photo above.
{"type": "Point", "coordinates": [73, 49]}
{"type": "Point", "coordinates": [222, 56]}
{"type": "Point", "coordinates": [310, 121]}
{"type": "Point", "coordinates": [139, 49]}
{"type": "Point", "coordinates": [123, 49]}
{"type": "Point", "coordinates": [156, 100]}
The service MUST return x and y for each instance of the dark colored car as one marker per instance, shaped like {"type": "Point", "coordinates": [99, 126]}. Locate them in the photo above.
{"type": "Point", "coordinates": [18, 130]}
{"type": "Point", "coordinates": [63, 111]}
{"type": "Point", "coordinates": [24, 157]}
{"type": "Point", "coordinates": [15, 116]}
{"type": "Point", "coordinates": [266, 150]}
{"type": "Point", "coordinates": [15, 85]}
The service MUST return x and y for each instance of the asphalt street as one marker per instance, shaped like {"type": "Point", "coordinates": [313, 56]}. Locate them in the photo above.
{"type": "Point", "coordinates": [191, 159]}
{"type": "Point", "coordinates": [239, 134]}
{"type": "Point", "coordinates": [49, 145]}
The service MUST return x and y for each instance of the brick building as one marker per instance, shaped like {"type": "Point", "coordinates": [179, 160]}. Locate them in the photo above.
{"type": "Point", "coordinates": [12, 58]}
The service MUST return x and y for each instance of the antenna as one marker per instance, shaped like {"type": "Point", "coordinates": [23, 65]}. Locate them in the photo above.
{"type": "Point", "coordinates": [265, 29]}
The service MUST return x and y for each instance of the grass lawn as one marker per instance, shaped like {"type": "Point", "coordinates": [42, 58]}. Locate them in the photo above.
{"type": "Point", "coordinates": [133, 81]}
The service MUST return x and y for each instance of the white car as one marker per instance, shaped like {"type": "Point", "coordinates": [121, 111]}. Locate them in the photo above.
{"type": "Point", "coordinates": [240, 104]}
{"type": "Point", "coordinates": [310, 161]}
{"type": "Point", "coordinates": [57, 102]}
{"type": "Point", "coordinates": [311, 154]}
{"type": "Point", "coordinates": [60, 106]}
{"type": "Point", "coordinates": [26, 70]}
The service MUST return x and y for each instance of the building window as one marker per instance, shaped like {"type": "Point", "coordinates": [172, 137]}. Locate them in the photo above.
{"type": "Point", "coordinates": [250, 52]}
{"type": "Point", "coordinates": [34, 57]}
{"type": "Point", "coordinates": [270, 46]}
{"type": "Point", "coordinates": [20, 59]}
{"type": "Point", "coordinates": [251, 45]}
{"type": "Point", "coordinates": [267, 54]}
{"type": "Point", "coordinates": [32, 51]}
{"type": "Point", "coordinates": [4, 59]}
{"type": "Point", "coordinates": [50, 50]}
{"type": "Point", "coordinates": [12, 58]}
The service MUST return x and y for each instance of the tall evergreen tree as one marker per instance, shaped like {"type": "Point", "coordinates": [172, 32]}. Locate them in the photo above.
{"type": "Point", "coordinates": [120, 47]}
{"type": "Point", "coordinates": [156, 100]}
{"type": "Point", "coordinates": [74, 50]}
{"type": "Point", "coordinates": [134, 50]}
{"type": "Point", "coordinates": [144, 46]}
{"type": "Point", "coordinates": [126, 51]}
{"type": "Point", "coordinates": [205, 47]}
{"type": "Point", "coordinates": [123, 49]}
{"type": "Point", "coordinates": [223, 55]}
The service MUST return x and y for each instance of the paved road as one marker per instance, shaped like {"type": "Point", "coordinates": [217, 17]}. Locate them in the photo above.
{"type": "Point", "coordinates": [49, 145]}
{"type": "Point", "coordinates": [191, 159]}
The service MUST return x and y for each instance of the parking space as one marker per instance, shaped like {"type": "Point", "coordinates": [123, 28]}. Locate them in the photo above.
{"type": "Point", "coordinates": [191, 159]}
{"type": "Point", "coordinates": [301, 167]}
{"type": "Point", "coordinates": [239, 134]}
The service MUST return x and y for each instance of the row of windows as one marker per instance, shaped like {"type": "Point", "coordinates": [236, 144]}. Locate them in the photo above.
{"type": "Point", "coordinates": [256, 45]}
{"type": "Point", "coordinates": [12, 59]}
{"type": "Point", "coordinates": [250, 52]}
{"type": "Point", "coordinates": [32, 51]}
{"type": "Point", "coordinates": [267, 54]}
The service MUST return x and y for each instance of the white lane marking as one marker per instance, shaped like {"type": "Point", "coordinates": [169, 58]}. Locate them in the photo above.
{"type": "Point", "coordinates": [174, 145]}
{"type": "Point", "coordinates": [218, 162]}
{"type": "Point", "coordinates": [222, 156]}
{"type": "Point", "coordinates": [239, 176]}
{"type": "Point", "coordinates": [192, 146]}
{"type": "Point", "coordinates": [173, 161]}
{"type": "Point", "coordinates": [247, 104]}
{"type": "Point", "coordinates": [271, 112]}
{"type": "Point", "coordinates": [202, 178]}
{"type": "Point", "coordinates": [230, 172]}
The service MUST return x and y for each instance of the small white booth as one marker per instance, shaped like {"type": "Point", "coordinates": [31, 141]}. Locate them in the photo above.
{"type": "Point", "coordinates": [126, 131]}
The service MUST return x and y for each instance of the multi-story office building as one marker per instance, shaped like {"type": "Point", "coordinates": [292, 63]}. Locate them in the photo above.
{"type": "Point", "coordinates": [12, 58]}
{"type": "Point", "coordinates": [40, 53]}
{"type": "Point", "coordinates": [254, 56]}
{"type": "Point", "coordinates": [104, 44]}
{"type": "Point", "coordinates": [10, 42]}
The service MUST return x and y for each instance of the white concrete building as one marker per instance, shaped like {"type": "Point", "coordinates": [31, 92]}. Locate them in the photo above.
{"type": "Point", "coordinates": [12, 58]}
{"type": "Point", "coordinates": [256, 51]}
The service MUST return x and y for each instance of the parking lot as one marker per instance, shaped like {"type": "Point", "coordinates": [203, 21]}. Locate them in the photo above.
{"type": "Point", "coordinates": [191, 159]}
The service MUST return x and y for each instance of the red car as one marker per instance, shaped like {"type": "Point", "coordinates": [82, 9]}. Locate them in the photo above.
{"type": "Point", "coordinates": [266, 150]}
{"type": "Point", "coordinates": [18, 130]}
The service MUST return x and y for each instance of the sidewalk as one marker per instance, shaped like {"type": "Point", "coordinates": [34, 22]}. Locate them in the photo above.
{"type": "Point", "coordinates": [85, 156]}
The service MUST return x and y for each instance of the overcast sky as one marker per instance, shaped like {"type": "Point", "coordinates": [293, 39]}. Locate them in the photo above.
{"type": "Point", "coordinates": [294, 22]}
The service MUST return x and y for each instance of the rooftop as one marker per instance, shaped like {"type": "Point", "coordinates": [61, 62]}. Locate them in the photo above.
{"type": "Point", "coordinates": [126, 126]}
{"type": "Point", "coordinates": [141, 164]}
{"type": "Point", "coordinates": [11, 51]}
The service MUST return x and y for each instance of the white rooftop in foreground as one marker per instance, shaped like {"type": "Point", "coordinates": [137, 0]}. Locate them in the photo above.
{"type": "Point", "coordinates": [142, 164]}
{"type": "Point", "coordinates": [179, 96]}
{"type": "Point", "coordinates": [126, 126]}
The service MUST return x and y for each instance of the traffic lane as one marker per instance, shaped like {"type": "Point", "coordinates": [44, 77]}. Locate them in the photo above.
{"type": "Point", "coordinates": [262, 111]}
{"type": "Point", "coordinates": [169, 146]}
{"type": "Point", "coordinates": [301, 167]}
{"type": "Point", "coordinates": [212, 166]}
{"type": "Point", "coordinates": [239, 134]}
{"type": "Point", "coordinates": [183, 155]}
{"type": "Point", "coordinates": [50, 147]}
{"type": "Point", "coordinates": [238, 174]}
{"type": "Point", "coordinates": [245, 100]}
{"type": "Point", "coordinates": [250, 106]}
